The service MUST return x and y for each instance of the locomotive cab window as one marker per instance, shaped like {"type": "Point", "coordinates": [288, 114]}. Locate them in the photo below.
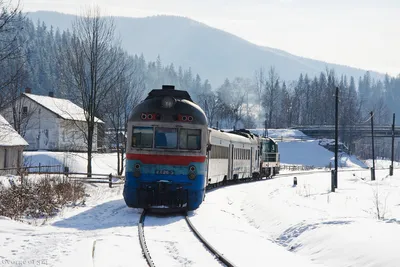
{"type": "Point", "coordinates": [142, 137]}
{"type": "Point", "coordinates": [166, 138]}
{"type": "Point", "coordinates": [190, 139]}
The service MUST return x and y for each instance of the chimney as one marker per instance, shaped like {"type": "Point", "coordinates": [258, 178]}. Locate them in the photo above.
{"type": "Point", "coordinates": [28, 90]}
{"type": "Point", "coordinates": [168, 87]}
{"type": "Point", "coordinates": [51, 94]}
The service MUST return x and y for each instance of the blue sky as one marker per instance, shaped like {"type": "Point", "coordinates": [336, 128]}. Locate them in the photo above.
{"type": "Point", "coordinates": [359, 33]}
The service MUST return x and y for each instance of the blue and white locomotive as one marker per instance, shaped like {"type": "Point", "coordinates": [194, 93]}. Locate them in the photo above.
{"type": "Point", "coordinates": [166, 152]}
{"type": "Point", "coordinates": [172, 155]}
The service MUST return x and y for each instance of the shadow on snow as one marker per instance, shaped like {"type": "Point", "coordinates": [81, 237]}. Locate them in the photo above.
{"type": "Point", "coordinates": [293, 232]}
{"type": "Point", "coordinates": [104, 216]}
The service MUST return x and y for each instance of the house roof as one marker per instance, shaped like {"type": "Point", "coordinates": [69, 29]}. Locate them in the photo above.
{"type": "Point", "coordinates": [61, 107]}
{"type": "Point", "coordinates": [9, 136]}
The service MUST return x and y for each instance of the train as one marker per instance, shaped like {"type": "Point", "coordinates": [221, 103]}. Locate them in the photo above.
{"type": "Point", "coordinates": [173, 156]}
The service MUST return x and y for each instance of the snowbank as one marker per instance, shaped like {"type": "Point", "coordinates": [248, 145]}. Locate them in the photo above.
{"type": "Point", "coordinates": [334, 229]}
{"type": "Point", "coordinates": [382, 163]}
{"type": "Point", "coordinates": [102, 163]}
{"type": "Point", "coordinates": [310, 153]}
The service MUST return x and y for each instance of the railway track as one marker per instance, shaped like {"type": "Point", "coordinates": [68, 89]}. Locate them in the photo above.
{"type": "Point", "coordinates": [142, 240]}
{"type": "Point", "coordinates": [146, 253]}
{"type": "Point", "coordinates": [217, 254]}
{"type": "Point", "coordinates": [220, 257]}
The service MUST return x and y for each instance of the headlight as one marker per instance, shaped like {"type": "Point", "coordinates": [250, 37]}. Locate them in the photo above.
{"type": "Point", "coordinates": [137, 173]}
{"type": "Point", "coordinates": [192, 172]}
{"type": "Point", "coordinates": [168, 102]}
{"type": "Point", "coordinates": [192, 176]}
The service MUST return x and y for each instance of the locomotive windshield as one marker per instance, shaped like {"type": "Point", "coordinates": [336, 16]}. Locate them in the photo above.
{"type": "Point", "coordinates": [166, 138]}
{"type": "Point", "coordinates": [189, 139]}
{"type": "Point", "coordinates": [269, 151]}
{"type": "Point", "coordinates": [142, 137]}
{"type": "Point", "coordinates": [269, 147]}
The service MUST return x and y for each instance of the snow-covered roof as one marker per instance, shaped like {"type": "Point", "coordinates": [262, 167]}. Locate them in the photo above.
{"type": "Point", "coordinates": [9, 136]}
{"type": "Point", "coordinates": [62, 107]}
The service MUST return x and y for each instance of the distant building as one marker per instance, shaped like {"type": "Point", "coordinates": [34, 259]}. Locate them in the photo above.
{"type": "Point", "coordinates": [11, 147]}
{"type": "Point", "coordinates": [50, 123]}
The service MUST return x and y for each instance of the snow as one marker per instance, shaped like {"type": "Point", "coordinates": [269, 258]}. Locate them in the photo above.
{"type": "Point", "coordinates": [382, 163]}
{"type": "Point", "coordinates": [298, 152]}
{"type": "Point", "coordinates": [175, 244]}
{"type": "Point", "coordinates": [62, 107]}
{"type": "Point", "coordinates": [8, 136]}
{"type": "Point", "coordinates": [336, 229]}
{"type": "Point", "coordinates": [264, 223]}
{"type": "Point", "coordinates": [77, 162]}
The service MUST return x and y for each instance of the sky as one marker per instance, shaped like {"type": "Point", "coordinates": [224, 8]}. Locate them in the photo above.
{"type": "Point", "coordinates": [358, 33]}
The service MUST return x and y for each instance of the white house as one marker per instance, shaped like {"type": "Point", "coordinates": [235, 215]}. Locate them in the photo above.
{"type": "Point", "coordinates": [49, 123]}
{"type": "Point", "coordinates": [11, 146]}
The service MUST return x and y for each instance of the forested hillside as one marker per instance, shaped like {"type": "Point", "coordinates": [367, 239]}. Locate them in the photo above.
{"type": "Point", "coordinates": [39, 66]}
{"type": "Point", "coordinates": [245, 101]}
{"type": "Point", "coordinates": [213, 53]}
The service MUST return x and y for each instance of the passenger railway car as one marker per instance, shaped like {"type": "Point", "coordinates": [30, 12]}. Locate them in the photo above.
{"type": "Point", "coordinates": [172, 155]}
{"type": "Point", "coordinates": [233, 156]}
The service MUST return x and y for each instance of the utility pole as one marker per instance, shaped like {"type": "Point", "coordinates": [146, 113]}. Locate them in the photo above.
{"type": "Point", "coordinates": [336, 135]}
{"type": "Point", "coordinates": [373, 147]}
{"type": "Point", "coordinates": [391, 166]}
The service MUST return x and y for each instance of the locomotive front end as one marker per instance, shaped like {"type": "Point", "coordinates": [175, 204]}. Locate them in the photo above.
{"type": "Point", "coordinates": [166, 152]}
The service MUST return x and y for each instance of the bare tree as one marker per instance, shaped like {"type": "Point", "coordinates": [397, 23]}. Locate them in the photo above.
{"type": "Point", "coordinates": [271, 94]}
{"type": "Point", "coordinates": [126, 94]}
{"type": "Point", "coordinates": [260, 81]}
{"type": "Point", "coordinates": [10, 18]}
{"type": "Point", "coordinates": [92, 65]}
{"type": "Point", "coordinates": [20, 108]}
{"type": "Point", "coordinates": [209, 102]}
{"type": "Point", "coordinates": [232, 97]}
{"type": "Point", "coordinates": [11, 21]}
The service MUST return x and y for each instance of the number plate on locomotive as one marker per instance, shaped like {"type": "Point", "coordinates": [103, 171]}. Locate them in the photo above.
{"type": "Point", "coordinates": [165, 172]}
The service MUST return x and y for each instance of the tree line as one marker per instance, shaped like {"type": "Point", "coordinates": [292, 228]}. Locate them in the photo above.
{"type": "Point", "coordinates": [88, 66]}
{"type": "Point", "coordinates": [85, 65]}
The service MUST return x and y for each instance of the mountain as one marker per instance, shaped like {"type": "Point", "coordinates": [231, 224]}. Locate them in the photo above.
{"type": "Point", "coordinates": [212, 53]}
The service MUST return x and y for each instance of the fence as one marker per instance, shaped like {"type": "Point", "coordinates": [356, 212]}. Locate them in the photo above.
{"type": "Point", "coordinates": [291, 138]}
{"type": "Point", "coordinates": [72, 176]}
{"type": "Point", "coordinates": [298, 167]}
{"type": "Point", "coordinates": [27, 169]}
{"type": "Point", "coordinates": [109, 179]}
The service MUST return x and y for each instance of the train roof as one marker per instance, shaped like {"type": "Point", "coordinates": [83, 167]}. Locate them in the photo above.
{"type": "Point", "coordinates": [182, 105]}
{"type": "Point", "coordinates": [169, 90]}
{"type": "Point", "coordinates": [269, 138]}
{"type": "Point", "coordinates": [233, 136]}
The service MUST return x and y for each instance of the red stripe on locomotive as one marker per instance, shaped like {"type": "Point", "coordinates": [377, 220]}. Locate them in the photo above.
{"type": "Point", "coordinates": [165, 159]}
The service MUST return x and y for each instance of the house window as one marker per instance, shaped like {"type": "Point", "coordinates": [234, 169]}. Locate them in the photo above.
{"type": "Point", "coordinates": [24, 111]}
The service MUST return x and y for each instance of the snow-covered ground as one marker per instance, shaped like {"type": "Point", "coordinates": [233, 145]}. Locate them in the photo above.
{"type": "Point", "coordinates": [264, 223]}
{"type": "Point", "coordinates": [334, 229]}
{"type": "Point", "coordinates": [310, 153]}
{"type": "Point", "coordinates": [77, 162]}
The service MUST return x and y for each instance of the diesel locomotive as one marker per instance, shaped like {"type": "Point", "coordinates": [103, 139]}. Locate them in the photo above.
{"type": "Point", "coordinates": [173, 156]}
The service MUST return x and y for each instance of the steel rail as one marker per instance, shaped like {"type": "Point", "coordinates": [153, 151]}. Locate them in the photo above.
{"type": "Point", "coordinates": [142, 240]}
{"type": "Point", "coordinates": [217, 254]}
